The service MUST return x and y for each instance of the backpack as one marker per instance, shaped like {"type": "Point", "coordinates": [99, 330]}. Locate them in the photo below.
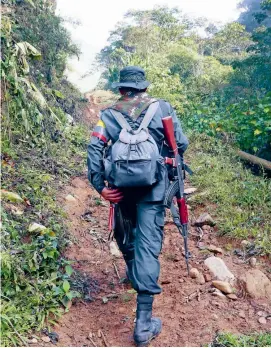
{"type": "Point", "coordinates": [133, 159]}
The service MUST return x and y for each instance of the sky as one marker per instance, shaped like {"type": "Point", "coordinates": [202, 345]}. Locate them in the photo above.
{"type": "Point", "coordinates": [98, 17]}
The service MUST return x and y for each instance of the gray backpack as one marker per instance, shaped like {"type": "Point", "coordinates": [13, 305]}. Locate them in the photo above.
{"type": "Point", "coordinates": [132, 159]}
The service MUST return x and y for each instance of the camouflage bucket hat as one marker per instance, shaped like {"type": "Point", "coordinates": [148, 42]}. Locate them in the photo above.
{"type": "Point", "coordinates": [132, 76]}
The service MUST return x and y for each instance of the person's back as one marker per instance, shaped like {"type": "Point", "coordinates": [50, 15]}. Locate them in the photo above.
{"type": "Point", "coordinates": [141, 208]}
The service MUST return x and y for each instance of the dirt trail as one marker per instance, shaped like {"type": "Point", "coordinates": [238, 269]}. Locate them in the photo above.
{"type": "Point", "coordinates": [185, 323]}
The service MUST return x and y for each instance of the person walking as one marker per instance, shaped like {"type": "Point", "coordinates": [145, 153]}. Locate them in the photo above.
{"type": "Point", "coordinates": [126, 166]}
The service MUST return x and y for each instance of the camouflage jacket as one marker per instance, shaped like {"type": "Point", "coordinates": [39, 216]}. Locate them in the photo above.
{"type": "Point", "coordinates": [133, 107]}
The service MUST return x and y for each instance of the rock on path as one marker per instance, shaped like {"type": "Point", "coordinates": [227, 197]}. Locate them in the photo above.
{"type": "Point", "coordinates": [205, 219]}
{"type": "Point", "coordinates": [223, 286]}
{"type": "Point", "coordinates": [257, 284]}
{"type": "Point", "coordinates": [219, 269]}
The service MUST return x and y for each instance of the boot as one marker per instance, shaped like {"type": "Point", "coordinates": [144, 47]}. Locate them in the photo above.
{"type": "Point", "coordinates": [146, 327]}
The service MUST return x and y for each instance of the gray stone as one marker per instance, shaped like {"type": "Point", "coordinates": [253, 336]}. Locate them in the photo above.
{"type": "Point", "coordinates": [206, 228]}
{"type": "Point", "coordinates": [218, 269]}
{"type": "Point", "coordinates": [257, 284]}
{"type": "Point", "coordinates": [45, 339]}
{"type": "Point", "coordinates": [33, 341]}
{"type": "Point", "coordinates": [242, 314]}
{"type": "Point", "coordinates": [205, 219]}
{"type": "Point", "coordinates": [200, 279]}
{"type": "Point", "coordinates": [253, 262]}
{"type": "Point", "coordinates": [219, 294]}
{"type": "Point", "coordinates": [245, 243]}
{"type": "Point", "coordinates": [232, 297]}
{"type": "Point", "coordinates": [194, 273]}
{"type": "Point", "coordinates": [114, 250]}
{"type": "Point", "coordinates": [69, 119]}
{"type": "Point", "coordinates": [207, 277]}
{"type": "Point", "coordinates": [215, 249]}
{"type": "Point", "coordinates": [223, 286]}
{"type": "Point", "coordinates": [262, 320]}
{"type": "Point", "coordinates": [70, 198]}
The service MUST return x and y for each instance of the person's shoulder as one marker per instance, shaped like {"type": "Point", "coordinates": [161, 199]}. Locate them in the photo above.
{"type": "Point", "coordinates": [165, 105]}
{"type": "Point", "coordinates": [164, 101]}
{"type": "Point", "coordinates": [109, 106]}
{"type": "Point", "coordinates": [105, 112]}
{"type": "Point", "coordinates": [106, 109]}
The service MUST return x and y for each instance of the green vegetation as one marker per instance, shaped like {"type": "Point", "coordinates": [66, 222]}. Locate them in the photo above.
{"type": "Point", "coordinates": [239, 201]}
{"type": "Point", "coordinates": [254, 340]}
{"type": "Point", "coordinates": [38, 98]}
{"type": "Point", "coordinates": [41, 149]}
{"type": "Point", "coordinates": [35, 277]}
{"type": "Point", "coordinates": [245, 123]}
{"type": "Point", "coordinates": [220, 83]}
{"type": "Point", "coordinates": [220, 86]}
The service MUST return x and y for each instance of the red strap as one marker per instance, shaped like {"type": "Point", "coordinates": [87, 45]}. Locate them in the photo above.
{"type": "Point", "coordinates": [100, 136]}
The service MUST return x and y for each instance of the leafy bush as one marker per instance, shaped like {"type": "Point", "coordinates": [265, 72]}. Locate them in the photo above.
{"type": "Point", "coordinates": [41, 148]}
{"type": "Point", "coordinates": [247, 123]}
{"type": "Point", "coordinates": [218, 84]}
{"type": "Point", "coordinates": [35, 49]}
{"type": "Point", "coordinates": [35, 277]}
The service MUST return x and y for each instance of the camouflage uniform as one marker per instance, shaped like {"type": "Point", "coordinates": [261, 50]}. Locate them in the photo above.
{"type": "Point", "coordinates": [143, 206]}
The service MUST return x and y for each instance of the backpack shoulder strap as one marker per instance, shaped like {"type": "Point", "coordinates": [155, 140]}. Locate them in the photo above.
{"type": "Point", "coordinates": [148, 116]}
{"type": "Point", "coordinates": [121, 120]}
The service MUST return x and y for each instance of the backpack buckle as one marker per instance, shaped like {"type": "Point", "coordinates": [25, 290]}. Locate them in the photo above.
{"type": "Point", "coordinates": [133, 147]}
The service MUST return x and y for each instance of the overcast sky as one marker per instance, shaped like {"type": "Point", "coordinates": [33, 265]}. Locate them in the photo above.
{"type": "Point", "coordinates": [99, 17]}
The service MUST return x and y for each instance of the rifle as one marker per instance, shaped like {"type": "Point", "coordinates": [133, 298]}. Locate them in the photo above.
{"type": "Point", "coordinates": [177, 188]}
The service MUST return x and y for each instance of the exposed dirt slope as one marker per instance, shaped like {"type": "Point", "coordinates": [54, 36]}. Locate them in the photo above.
{"type": "Point", "coordinates": [186, 322]}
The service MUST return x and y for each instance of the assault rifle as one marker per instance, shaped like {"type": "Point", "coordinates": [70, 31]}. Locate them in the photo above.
{"type": "Point", "coordinates": [176, 189]}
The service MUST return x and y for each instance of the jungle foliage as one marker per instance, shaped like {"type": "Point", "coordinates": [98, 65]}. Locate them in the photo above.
{"type": "Point", "coordinates": [219, 81]}
{"type": "Point", "coordinates": [227, 189]}
{"type": "Point", "coordinates": [219, 84]}
{"type": "Point", "coordinates": [42, 146]}
{"type": "Point", "coordinates": [37, 96]}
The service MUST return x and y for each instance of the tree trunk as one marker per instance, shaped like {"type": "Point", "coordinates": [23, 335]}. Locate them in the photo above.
{"type": "Point", "coordinates": [254, 159]}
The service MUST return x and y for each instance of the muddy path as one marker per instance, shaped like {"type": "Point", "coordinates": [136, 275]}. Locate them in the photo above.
{"type": "Point", "coordinates": [108, 318]}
